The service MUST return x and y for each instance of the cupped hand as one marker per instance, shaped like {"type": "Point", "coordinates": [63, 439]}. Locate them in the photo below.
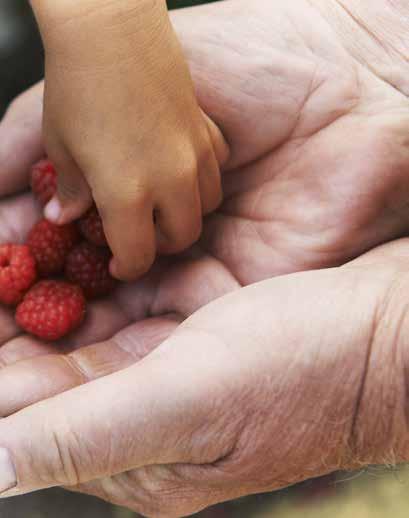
{"type": "Point", "coordinates": [317, 126]}
{"type": "Point", "coordinates": [319, 152]}
{"type": "Point", "coordinates": [317, 175]}
{"type": "Point", "coordinates": [284, 380]}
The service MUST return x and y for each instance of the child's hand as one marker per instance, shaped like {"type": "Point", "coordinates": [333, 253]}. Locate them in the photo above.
{"type": "Point", "coordinates": [123, 127]}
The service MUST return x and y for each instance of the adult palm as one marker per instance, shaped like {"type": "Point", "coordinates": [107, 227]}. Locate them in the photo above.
{"type": "Point", "coordinates": [317, 175]}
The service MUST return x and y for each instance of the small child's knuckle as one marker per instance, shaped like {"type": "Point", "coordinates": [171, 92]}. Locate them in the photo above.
{"type": "Point", "coordinates": [206, 155]}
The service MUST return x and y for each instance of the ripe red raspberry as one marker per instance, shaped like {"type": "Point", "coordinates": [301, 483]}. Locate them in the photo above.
{"type": "Point", "coordinates": [88, 266]}
{"type": "Point", "coordinates": [92, 229]}
{"type": "Point", "coordinates": [17, 272]}
{"type": "Point", "coordinates": [50, 245]}
{"type": "Point", "coordinates": [43, 181]}
{"type": "Point", "coordinates": [51, 309]}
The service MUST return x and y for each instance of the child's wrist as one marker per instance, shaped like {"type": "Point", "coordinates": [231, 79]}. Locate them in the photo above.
{"type": "Point", "coordinates": [63, 22]}
{"type": "Point", "coordinates": [52, 11]}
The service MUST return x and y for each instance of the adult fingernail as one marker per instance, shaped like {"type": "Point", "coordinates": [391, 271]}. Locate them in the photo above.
{"type": "Point", "coordinates": [8, 478]}
{"type": "Point", "coordinates": [53, 210]}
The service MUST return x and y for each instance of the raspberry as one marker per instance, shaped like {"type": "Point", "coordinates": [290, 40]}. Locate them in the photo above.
{"type": "Point", "coordinates": [17, 272]}
{"type": "Point", "coordinates": [92, 229]}
{"type": "Point", "coordinates": [50, 245]}
{"type": "Point", "coordinates": [51, 309]}
{"type": "Point", "coordinates": [88, 266]}
{"type": "Point", "coordinates": [43, 181]}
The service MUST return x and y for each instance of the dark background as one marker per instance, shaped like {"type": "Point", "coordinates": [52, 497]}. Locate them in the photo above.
{"type": "Point", "coordinates": [21, 58]}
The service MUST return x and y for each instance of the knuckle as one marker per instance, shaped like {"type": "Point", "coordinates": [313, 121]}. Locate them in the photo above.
{"type": "Point", "coordinates": [63, 467]}
{"type": "Point", "coordinates": [186, 177]}
{"type": "Point", "coordinates": [157, 493]}
{"type": "Point", "coordinates": [187, 171]}
{"type": "Point", "coordinates": [206, 154]}
{"type": "Point", "coordinates": [138, 267]}
{"type": "Point", "coordinates": [121, 198]}
{"type": "Point", "coordinates": [183, 240]}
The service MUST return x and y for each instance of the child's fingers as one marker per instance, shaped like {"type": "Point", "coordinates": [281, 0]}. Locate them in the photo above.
{"type": "Point", "coordinates": [179, 219]}
{"type": "Point", "coordinates": [220, 146]}
{"type": "Point", "coordinates": [210, 168]}
{"type": "Point", "coordinates": [73, 195]}
{"type": "Point", "coordinates": [21, 140]}
{"type": "Point", "coordinates": [210, 184]}
{"type": "Point", "coordinates": [130, 231]}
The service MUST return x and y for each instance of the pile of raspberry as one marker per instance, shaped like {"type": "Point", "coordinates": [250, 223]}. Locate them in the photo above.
{"type": "Point", "coordinates": [50, 278]}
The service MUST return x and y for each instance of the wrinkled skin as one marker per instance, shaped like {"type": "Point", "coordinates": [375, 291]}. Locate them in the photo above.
{"type": "Point", "coordinates": [318, 130]}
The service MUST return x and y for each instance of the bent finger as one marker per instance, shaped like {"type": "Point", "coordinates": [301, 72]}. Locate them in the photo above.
{"type": "Point", "coordinates": [47, 373]}
{"type": "Point", "coordinates": [73, 197]}
{"type": "Point", "coordinates": [130, 231]}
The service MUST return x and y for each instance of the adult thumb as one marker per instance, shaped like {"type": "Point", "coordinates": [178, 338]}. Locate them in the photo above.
{"type": "Point", "coordinates": [151, 413]}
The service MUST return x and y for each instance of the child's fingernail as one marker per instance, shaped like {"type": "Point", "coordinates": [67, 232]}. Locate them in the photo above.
{"type": "Point", "coordinates": [8, 478]}
{"type": "Point", "coordinates": [53, 210]}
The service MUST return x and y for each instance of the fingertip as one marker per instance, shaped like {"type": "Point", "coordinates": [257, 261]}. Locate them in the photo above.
{"type": "Point", "coordinates": [60, 214]}
{"type": "Point", "coordinates": [130, 233]}
{"type": "Point", "coordinates": [120, 274]}
{"type": "Point", "coordinates": [53, 210]}
{"type": "Point", "coordinates": [129, 273]}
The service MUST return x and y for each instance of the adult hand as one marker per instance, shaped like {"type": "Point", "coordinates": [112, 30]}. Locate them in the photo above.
{"type": "Point", "coordinates": [281, 381]}
{"type": "Point", "coordinates": [358, 200]}
{"type": "Point", "coordinates": [319, 156]}
{"type": "Point", "coordinates": [313, 99]}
